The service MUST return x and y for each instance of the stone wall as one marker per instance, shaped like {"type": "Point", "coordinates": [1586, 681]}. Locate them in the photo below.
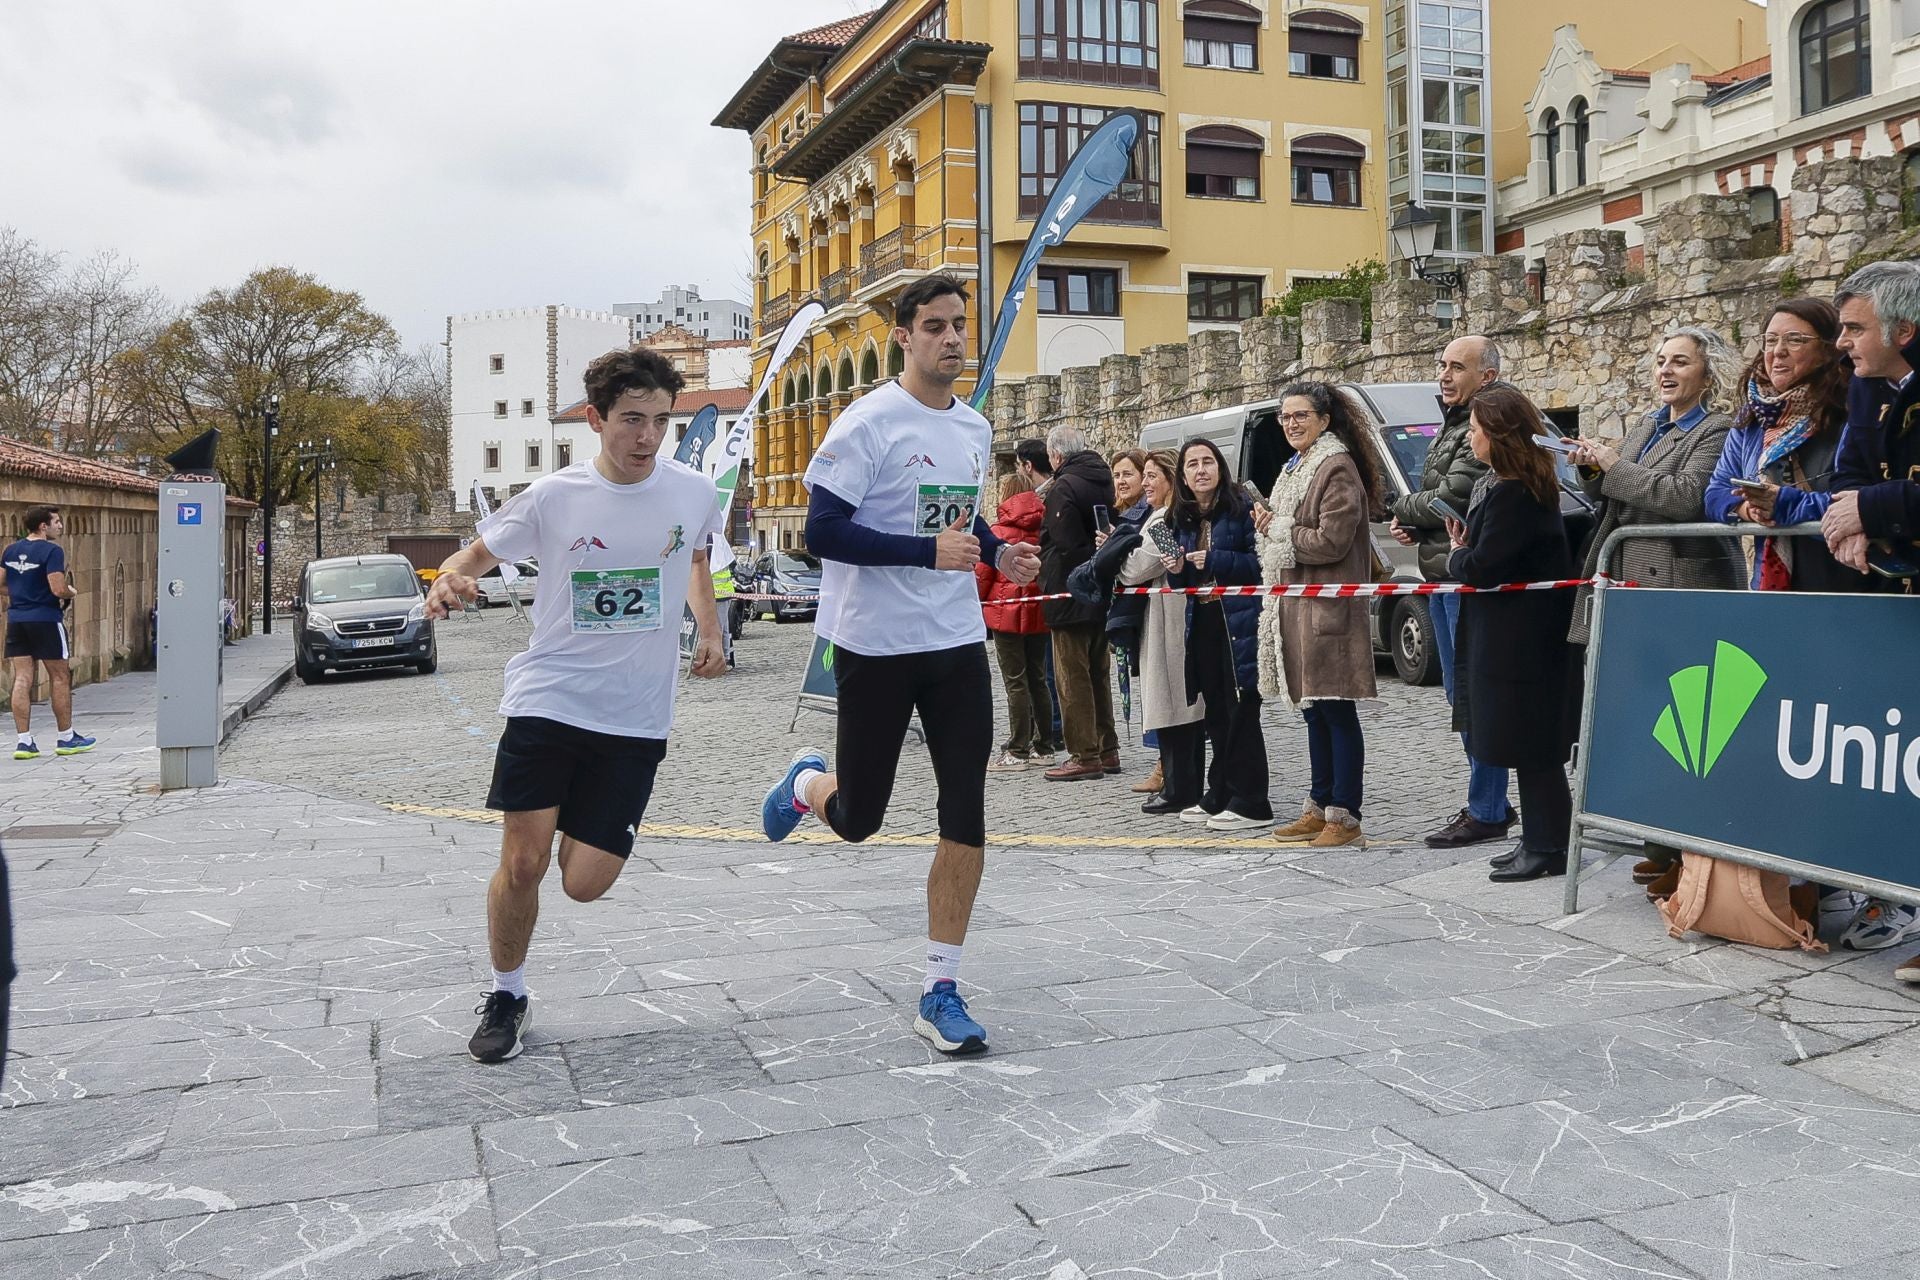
{"type": "Point", "coordinates": [1580, 337]}
{"type": "Point", "coordinates": [358, 527]}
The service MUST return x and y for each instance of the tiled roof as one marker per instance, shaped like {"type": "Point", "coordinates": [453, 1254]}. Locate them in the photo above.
{"type": "Point", "coordinates": [833, 34]}
{"type": "Point", "coordinates": [1760, 66]}
{"type": "Point", "coordinates": [18, 458]}
{"type": "Point", "coordinates": [734, 342]}
{"type": "Point", "coordinates": [1626, 73]}
{"type": "Point", "coordinates": [575, 412]}
{"type": "Point", "coordinates": [725, 399]}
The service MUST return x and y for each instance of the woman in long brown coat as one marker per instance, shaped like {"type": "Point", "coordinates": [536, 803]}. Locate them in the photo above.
{"type": "Point", "coordinates": [1314, 529]}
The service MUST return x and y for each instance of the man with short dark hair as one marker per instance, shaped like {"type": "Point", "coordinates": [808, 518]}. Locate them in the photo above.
{"type": "Point", "coordinates": [37, 596]}
{"type": "Point", "coordinates": [893, 513]}
{"type": "Point", "coordinates": [1030, 460]}
{"type": "Point", "coordinates": [1467, 366]}
{"type": "Point", "coordinates": [1082, 489]}
{"type": "Point", "coordinates": [622, 545]}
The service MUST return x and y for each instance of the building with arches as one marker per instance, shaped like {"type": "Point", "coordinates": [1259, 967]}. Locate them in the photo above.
{"type": "Point", "coordinates": [1281, 136]}
{"type": "Point", "coordinates": [1842, 80]}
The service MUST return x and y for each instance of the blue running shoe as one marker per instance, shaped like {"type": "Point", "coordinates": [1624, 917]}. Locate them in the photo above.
{"type": "Point", "coordinates": [73, 744]}
{"type": "Point", "coordinates": [943, 1020]}
{"type": "Point", "coordinates": [778, 817]}
{"type": "Point", "coordinates": [28, 750]}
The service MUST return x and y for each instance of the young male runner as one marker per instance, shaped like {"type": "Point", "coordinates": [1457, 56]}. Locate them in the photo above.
{"type": "Point", "coordinates": [621, 543]}
{"type": "Point", "coordinates": [37, 589]}
{"type": "Point", "coordinates": [893, 515]}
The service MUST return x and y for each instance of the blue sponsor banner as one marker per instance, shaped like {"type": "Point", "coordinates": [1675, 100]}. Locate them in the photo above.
{"type": "Point", "coordinates": [1788, 724]}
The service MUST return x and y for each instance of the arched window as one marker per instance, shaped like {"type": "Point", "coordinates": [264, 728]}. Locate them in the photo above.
{"type": "Point", "coordinates": [1221, 33]}
{"type": "Point", "coordinates": [765, 281]}
{"type": "Point", "coordinates": [823, 380]}
{"type": "Point", "coordinates": [1323, 45]}
{"type": "Point", "coordinates": [806, 386]}
{"type": "Point", "coordinates": [1582, 134]}
{"type": "Point", "coordinates": [1550, 126]}
{"type": "Point", "coordinates": [786, 394]}
{"type": "Point", "coordinates": [1763, 211]}
{"type": "Point", "coordinates": [1224, 162]}
{"type": "Point", "coordinates": [896, 359]}
{"type": "Point", "coordinates": [869, 367]}
{"type": "Point", "coordinates": [1326, 170]}
{"type": "Point", "coordinates": [760, 172]}
{"type": "Point", "coordinates": [1836, 63]}
{"type": "Point", "coordinates": [844, 378]}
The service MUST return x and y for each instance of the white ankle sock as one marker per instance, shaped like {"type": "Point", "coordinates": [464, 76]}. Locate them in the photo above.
{"type": "Point", "coordinates": [943, 964]}
{"type": "Point", "coordinates": [801, 782]}
{"type": "Point", "coordinates": [26, 739]}
{"type": "Point", "coordinates": [514, 983]}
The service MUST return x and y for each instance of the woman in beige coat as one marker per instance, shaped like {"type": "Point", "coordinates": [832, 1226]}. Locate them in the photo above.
{"type": "Point", "coordinates": [1314, 529]}
{"type": "Point", "coordinates": [1164, 698]}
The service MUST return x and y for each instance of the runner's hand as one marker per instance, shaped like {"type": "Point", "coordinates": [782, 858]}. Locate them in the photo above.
{"type": "Point", "coordinates": [709, 658]}
{"type": "Point", "coordinates": [451, 591]}
{"type": "Point", "coordinates": [956, 548]}
{"type": "Point", "coordinates": [1019, 562]}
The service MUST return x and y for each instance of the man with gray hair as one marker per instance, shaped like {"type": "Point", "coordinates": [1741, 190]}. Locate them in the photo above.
{"type": "Point", "coordinates": [1079, 496]}
{"type": "Point", "coordinates": [1874, 519]}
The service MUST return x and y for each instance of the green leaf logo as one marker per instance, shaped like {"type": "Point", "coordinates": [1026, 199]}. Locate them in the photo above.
{"type": "Point", "coordinates": [1707, 707]}
{"type": "Point", "coordinates": [826, 658]}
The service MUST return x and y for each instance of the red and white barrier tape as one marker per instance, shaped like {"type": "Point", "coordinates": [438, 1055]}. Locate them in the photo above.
{"type": "Point", "coordinates": [1297, 590]}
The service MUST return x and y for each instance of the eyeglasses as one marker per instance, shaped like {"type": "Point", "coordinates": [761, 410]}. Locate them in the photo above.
{"type": "Point", "coordinates": [1791, 341]}
{"type": "Point", "coordinates": [1297, 419]}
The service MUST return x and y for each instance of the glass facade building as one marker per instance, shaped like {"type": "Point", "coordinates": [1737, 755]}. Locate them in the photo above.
{"type": "Point", "coordinates": [1437, 129]}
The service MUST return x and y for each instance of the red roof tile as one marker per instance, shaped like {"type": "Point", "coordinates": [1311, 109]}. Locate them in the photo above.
{"type": "Point", "coordinates": [1627, 73]}
{"type": "Point", "coordinates": [1760, 66]}
{"type": "Point", "coordinates": [833, 34]}
{"type": "Point", "coordinates": [575, 412]}
{"type": "Point", "coordinates": [725, 399]}
{"type": "Point", "coordinates": [18, 458]}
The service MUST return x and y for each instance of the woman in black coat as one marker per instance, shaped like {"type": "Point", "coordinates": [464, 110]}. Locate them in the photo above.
{"type": "Point", "coordinates": [1514, 676]}
{"type": "Point", "coordinates": [1214, 523]}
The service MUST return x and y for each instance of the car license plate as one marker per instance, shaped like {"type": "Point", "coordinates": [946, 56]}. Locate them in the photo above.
{"type": "Point", "coordinates": [372, 642]}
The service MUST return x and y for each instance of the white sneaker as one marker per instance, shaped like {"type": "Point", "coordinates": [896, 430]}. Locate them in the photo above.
{"type": "Point", "coordinates": [1194, 814]}
{"type": "Point", "coordinates": [1228, 820]}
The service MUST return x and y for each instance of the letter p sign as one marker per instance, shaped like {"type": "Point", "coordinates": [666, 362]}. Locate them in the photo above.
{"type": "Point", "coordinates": [190, 512]}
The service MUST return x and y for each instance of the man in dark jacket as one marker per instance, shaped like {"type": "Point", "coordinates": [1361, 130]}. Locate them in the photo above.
{"type": "Point", "coordinates": [1466, 366]}
{"type": "Point", "coordinates": [1081, 481]}
{"type": "Point", "coordinates": [1877, 467]}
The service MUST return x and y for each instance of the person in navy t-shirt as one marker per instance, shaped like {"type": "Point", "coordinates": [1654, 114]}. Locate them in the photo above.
{"type": "Point", "coordinates": [37, 596]}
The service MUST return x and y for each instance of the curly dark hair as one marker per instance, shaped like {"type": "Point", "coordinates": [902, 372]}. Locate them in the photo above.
{"type": "Point", "coordinates": [1509, 421]}
{"type": "Point", "coordinates": [1348, 422]}
{"type": "Point", "coordinates": [1230, 499]}
{"type": "Point", "coordinates": [634, 369]}
{"type": "Point", "coordinates": [1826, 385]}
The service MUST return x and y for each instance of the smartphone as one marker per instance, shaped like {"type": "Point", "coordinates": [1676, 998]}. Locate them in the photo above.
{"type": "Point", "coordinates": [1753, 488]}
{"type": "Point", "coordinates": [1101, 520]}
{"type": "Point", "coordinates": [1445, 510]}
{"type": "Point", "coordinates": [1891, 564]}
{"type": "Point", "coordinates": [1163, 538]}
{"type": "Point", "coordinates": [1253, 493]}
{"type": "Point", "coordinates": [1555, 443]}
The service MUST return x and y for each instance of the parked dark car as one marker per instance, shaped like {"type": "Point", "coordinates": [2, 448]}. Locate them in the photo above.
{"type": "Point", "coordinates": [355, 612]}
{"type": "Point", "coordinates": [785, 573]}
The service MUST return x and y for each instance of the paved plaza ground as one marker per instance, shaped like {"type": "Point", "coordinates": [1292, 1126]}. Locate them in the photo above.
{"type": "Point", "coordinates": [241, 1020]}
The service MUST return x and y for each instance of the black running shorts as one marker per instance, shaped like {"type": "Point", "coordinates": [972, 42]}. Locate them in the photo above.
{"type": "Point", "coordinates": [45, 641]}
{"type": "Point", "coordinates": [952, 690]}
{"type": "Point", "coordinates": [600, 782]}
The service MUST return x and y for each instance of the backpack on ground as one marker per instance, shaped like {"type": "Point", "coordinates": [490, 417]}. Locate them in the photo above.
{"type": "Point", "coordinates": [1742, 904]}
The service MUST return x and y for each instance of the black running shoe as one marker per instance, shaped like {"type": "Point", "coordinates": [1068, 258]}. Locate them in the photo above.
{"type": "Point", "coordinates": [503, 1021]}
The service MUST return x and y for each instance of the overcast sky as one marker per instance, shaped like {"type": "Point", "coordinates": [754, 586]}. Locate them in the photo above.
{"type": "Point", "coordinates": [437, 157]}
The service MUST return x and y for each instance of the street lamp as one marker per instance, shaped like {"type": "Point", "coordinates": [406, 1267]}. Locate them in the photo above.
{"type": "Point", "coordinates": [266, 502]}
{"type": "Point", "coordinates": [318, 457]}
{"type": "Point", "coordinates": [1415, 231]}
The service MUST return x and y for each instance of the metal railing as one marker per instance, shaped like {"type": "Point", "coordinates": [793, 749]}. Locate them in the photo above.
{"type": "Point", "coordinates": [898, 250]}
{"type": "Point", "coordinates": [836, 286]}
{"type": "Point", "coordinates": [775, 312]}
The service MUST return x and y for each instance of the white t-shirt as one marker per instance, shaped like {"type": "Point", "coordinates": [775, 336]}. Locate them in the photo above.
{"type": "Point", "coordinates": [906, 469]}
{"type": "Point", "coordinates": [615, 560]}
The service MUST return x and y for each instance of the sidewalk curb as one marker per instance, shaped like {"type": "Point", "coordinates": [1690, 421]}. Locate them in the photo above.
{"type": "Point", "coordinates": [255, 700]}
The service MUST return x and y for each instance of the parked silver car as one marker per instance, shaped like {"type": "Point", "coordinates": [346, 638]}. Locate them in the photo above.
{"type": "Point", "coordinates": [494, 589]}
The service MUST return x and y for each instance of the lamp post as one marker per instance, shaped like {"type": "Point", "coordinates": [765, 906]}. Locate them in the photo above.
{"type": "Point", "coordinates": [319, 457]}
{"type": "Point", "coordinates": [266, 503]}
{"type": "Point", "coordinates": [1415, 231]}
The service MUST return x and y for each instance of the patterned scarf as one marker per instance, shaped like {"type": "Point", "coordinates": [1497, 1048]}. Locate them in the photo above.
{"type": "Point", "coordinates": [1785, 421]}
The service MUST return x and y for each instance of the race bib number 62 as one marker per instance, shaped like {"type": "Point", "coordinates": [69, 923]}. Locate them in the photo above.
{"type": "Point", "coordinates": [616, 599]}
{"type": "Point", "coordinates": [942, 504]}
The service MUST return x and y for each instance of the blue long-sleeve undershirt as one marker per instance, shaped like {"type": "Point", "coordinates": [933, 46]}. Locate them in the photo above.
{"type": "Point", "coordinates": [832, 534]}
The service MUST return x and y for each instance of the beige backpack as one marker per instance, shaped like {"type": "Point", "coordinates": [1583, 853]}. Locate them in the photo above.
{"type": "Point", "coordinates": [1742, 904]}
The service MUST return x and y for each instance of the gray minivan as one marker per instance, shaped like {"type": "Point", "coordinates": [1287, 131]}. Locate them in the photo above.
{"type": "Point", "coordinates": [1405, 417]}
{"type": "Point", "coordinates": [355, 612]}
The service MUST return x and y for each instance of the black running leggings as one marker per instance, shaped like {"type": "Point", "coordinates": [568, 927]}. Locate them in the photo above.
{"type": "Point", "coordinates": [952, 690]}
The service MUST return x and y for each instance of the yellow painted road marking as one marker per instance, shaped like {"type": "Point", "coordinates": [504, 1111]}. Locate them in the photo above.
{"type": "Point", "coordinates": [740, 836]}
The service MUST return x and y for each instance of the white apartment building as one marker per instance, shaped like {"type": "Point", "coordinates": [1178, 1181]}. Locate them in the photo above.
{"type": "Point", "coordinates": [511, 374]}
{"type": "Point", "coordinates": [1612, 147]}
{"type": "Point", "coordinates": [715, 319]}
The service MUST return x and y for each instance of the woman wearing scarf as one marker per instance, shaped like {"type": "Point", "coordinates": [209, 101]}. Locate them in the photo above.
{"type": "Point", "coordinates": [1125, 613]}
{"type": "Point", "coordinates": [1785, 435]}
{"type": "Point", "coordinates": [1168, 703]}
{"type": "Point", "coordinates": [1314, 529]}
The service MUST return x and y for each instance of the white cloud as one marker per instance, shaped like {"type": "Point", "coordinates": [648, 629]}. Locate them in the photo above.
{"type": "Point", "coordinates": [438, 156]}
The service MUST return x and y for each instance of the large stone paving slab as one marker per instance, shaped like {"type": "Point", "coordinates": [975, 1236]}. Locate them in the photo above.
{"type": "Point", "coordinates": [240, 1040]}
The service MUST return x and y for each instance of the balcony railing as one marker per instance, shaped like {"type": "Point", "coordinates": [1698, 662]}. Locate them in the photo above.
{"type": "Point", "coordinates": [898, 250]}
{"type": "Point", "coordinates": [777, 310]}
{"type": "Point", "coordinates": [835, 287]}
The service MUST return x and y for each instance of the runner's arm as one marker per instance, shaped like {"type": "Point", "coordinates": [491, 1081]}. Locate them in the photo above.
{"type": "Point", "coordinates": [706, 614]}
{"type": "Point", "coordinates": [455, 586]}
{"type": "Point", "coordinates": [990, 542]}
{"type": "Point", "coordinates": [833, 535]}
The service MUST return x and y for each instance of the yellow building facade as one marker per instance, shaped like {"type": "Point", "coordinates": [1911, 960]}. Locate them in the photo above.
{"type": "Point", "coordinates": [927, 134]}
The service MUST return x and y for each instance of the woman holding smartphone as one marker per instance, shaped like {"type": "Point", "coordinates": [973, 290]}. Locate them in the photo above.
{"type": "Point", "coordinates": [1777, 466]}
{"type": "Point", "coordinates": [1126, 613]}
{"type": "Point", "coordinates": [1169, 703]}
{"type": "Point", "coordinates": [1214, 526]}
{"type": "Point", "coordinates": [1515, 687]}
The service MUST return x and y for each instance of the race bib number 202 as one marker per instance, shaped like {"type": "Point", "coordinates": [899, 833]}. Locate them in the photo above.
{"type": "Point", "coordinates": [616, 599]}
{"type": "Point", "coordinates": [942, 504]}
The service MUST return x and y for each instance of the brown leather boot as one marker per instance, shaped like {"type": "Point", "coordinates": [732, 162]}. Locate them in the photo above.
{"type": "Point", "coordinates": [1154, 781]}
{"type": "Point", "coordinates": [1303, 829]}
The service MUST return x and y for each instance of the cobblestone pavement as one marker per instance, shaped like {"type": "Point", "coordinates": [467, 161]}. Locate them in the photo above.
{"type": "Point", "coordinates": [241, 1019]}
{"type": "Point", "coordinates": [430, 742]}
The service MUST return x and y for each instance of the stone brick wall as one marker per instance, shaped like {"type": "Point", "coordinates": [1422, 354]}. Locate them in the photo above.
{"type": "Point", "coordinates": [361, 528]}
{"type": "Point", "coordinates": [1586, 343]}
